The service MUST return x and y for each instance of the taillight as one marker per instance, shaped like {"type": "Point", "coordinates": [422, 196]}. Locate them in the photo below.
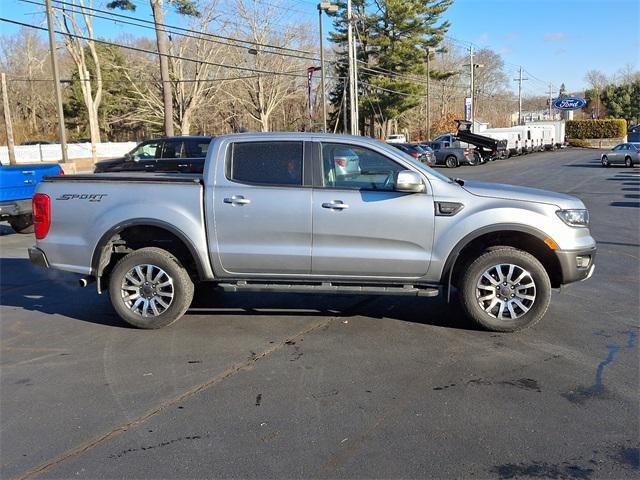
{"type": "Point", "coordinates": [466, 152]}
{"type": "Point", "coordinates": [414, 154]}
{"type": "Point", "coordinates": [61, 172]}
{"type": "Point", "coordinates": [41, 206]}
{"type": "Point", "coordinates": [341, 162]}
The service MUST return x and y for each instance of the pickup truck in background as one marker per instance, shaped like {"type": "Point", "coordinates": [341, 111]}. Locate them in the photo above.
{"type": "Point", "coordinates": [277, 212]}
{"type": "Point", "coordinates": [17, 186]}
{"type": "Point", "coordinates": [451, 153]}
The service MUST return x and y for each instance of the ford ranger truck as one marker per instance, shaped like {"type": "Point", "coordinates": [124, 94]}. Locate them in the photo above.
{"type": "Point", "coordinates": [17, 186]}
{"type": "Point", "coordinates": [275, 212]}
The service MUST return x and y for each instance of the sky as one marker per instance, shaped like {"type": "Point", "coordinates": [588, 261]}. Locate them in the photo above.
{"type": "Point", "coordinates": [555, 41]}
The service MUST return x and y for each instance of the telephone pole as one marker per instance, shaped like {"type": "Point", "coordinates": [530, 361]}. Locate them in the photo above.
{"type": "Point", "coordinates": [520, 80]}
{"type": "Point", "coordinates": [428, 99]}
{"type": "Point", "coordinates": [550, 99]}
{"type": "Point", "coordinates": [56, 81]}
{"type": "Point", "coordinates": [7, 121]}
{"type": "Point", "coordinates": [472, 85]}
{"type": "Point", "coordinates": [352, 103]}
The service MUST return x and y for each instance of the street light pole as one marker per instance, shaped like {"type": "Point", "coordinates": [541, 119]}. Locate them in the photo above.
{"type": "Point", "coordinates": [352, 83]}
{"type": "Point", "coordinates": [330, 8]}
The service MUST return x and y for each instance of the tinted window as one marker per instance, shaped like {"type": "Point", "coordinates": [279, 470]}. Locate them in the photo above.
{"type": "Point", "coordinates": [619, 147]}
{"type": "Point", "coordinates": [364, 170]}
{"type": "Point", "coordinates": [196, 148]}
{"type": "Point", "coordinates": [172, 149]}
{"type": "Point", "coordinates": [147, 150]}
{"type": "Point", "coordinates": [267, 163]}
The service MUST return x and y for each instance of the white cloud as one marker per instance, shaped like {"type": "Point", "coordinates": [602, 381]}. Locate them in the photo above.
{"type": "Point", "coordinates": [555, 37]}
{"type": "Point", "coordinates": [483, 38]}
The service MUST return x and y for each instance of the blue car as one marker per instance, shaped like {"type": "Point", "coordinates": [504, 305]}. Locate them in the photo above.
{"type": "Point", "coordinates": [17, 186]}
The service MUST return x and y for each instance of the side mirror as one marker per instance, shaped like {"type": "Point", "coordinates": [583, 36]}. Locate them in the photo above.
{"type": "Point", "coordinates": [408, 181]}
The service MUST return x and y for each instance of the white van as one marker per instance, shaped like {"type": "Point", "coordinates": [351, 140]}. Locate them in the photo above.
{"type": "Point", "coordinates": [397, 138]}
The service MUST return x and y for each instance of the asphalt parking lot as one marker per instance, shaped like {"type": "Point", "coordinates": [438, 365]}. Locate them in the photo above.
{"type": "Point", "coordinates": [292, 386]}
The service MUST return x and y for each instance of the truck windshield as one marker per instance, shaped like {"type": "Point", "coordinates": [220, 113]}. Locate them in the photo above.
{"type": "Point", "coordinates": [414, 162]}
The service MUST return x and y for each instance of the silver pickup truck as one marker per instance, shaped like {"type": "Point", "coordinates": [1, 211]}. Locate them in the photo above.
{"type": "Point", "coordinates": [281, 212]}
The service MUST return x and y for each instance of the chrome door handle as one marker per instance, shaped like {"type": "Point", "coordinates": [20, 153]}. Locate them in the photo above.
{"type": "Point", "coordinates": [237, 200]}
{"type": "Point", "coordinates": [335, 204]}
{"type": "Point", "coordinates": [183, 165]}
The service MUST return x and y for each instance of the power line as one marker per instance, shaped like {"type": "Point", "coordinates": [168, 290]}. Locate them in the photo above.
{"type": "Point", "coordinates": [172, 27]}
{"type": "Point", "coordinates": [178, 57]}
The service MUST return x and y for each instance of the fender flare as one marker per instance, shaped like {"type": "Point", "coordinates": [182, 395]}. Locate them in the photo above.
{"type": "Point", "coordinates": [449, 264]}
{"type": "Point", "coordinates": [99, 251]}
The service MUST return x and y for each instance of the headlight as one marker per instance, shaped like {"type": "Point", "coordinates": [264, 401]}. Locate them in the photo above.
{"type": "Point", "coordinates": [574, 218]}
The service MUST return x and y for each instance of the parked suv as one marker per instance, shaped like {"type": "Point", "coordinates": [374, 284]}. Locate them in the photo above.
{"type": "Point", "coordinates": [171, 154]}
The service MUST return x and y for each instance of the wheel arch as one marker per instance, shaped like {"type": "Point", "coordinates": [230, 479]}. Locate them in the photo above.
{"type": "Point", "coordinates": [167, 236]}
{"type": "Point", "coordinates": [523, 237]}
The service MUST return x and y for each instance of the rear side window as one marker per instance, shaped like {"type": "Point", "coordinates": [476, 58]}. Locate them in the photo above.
{"type": "Point", "coordinates": [196, 149]}
{"type": "Point", "coordinates": [172, 149]}
{"type": "Point", "coordinates": [266, 163]}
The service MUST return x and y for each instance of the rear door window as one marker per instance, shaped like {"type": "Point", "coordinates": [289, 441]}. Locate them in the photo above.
{"type": "Point", "coordinates": [172, 149]}
{"type": "Point", "coordinates": [266, 163]}
{"type": "Point", "coordinates": [196, 148]}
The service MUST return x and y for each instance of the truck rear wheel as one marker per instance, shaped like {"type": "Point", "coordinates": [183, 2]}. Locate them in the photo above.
{"type": "Point", "coordinates": [505, 289]}
{"type": "Point", "coordinates": [451, 161]}
{"type": "Point", "coordinates": [150, 288]}
{"type": "Point", "coordinates": [22, 223]}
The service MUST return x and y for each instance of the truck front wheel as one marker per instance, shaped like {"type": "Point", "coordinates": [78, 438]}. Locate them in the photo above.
{"type": "Point", "coordinates": [150, 288]}
{"type": "Point", "coordinates": [22, 223]}
{"type": "Point", "coordinates": [505, 289]}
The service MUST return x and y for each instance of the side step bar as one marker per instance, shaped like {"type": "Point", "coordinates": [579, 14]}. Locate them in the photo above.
{"type": "Point", "coordinates": [331, 287]}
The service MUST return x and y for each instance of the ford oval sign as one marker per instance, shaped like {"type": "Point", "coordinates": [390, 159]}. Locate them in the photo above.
{"type": "Point", "coordinates": [569, 103]}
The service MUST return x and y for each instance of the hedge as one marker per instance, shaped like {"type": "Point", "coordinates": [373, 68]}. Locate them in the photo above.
{"type": "Point", "coordinates": [606, 128]}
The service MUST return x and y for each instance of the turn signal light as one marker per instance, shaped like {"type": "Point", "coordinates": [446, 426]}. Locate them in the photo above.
{"type": "Point", "coordinates": [41, 206]}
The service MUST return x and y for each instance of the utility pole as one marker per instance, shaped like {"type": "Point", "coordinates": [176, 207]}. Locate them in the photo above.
{"type": "Point", "coordinates": [520, 80]}
{"type": "Point", "coordinates": [550, 99]}
{"type": "Point", "coordinates": [7, 121]}
{"type": "Point", "coordinates": [356, 99]}
{"type": "Point", "coordinates": [56, 81]}
{"type": "Point", "coordinates": [428, 99]}
{"type": "Point", "coordinates": [472, 85]}
{"type": "Point", "coordinates": [352, 103]}
{"type": "Point", "coordinates": [322, 92]}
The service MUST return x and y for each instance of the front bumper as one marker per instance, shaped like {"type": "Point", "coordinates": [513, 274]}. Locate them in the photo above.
{"type": "Point", "coordinates": [38, 257]}
{"type": "Point", "coordinates": [14, 208]}
{"type": "Point", "coordinates": [571, 271]}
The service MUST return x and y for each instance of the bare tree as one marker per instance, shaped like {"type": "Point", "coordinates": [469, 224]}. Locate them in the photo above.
{"type": "Point", "coordinates": [183, 7]}
{"type": "Point", "coordinates": [261, 94]}
{"type": "Point", "coordinates": [24, 57]}
{"type": "Point", "coordinates": [78, 48]}
{"type": "Point", "coordinates": [196, 83]}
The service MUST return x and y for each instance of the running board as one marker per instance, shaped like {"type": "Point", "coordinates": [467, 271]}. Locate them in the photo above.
{"type": "Point", "coordinates": [331, 287]}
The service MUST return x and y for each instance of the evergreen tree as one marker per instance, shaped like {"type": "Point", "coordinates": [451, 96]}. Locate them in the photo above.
{"type": "Point", "coordinates": [394, 37]}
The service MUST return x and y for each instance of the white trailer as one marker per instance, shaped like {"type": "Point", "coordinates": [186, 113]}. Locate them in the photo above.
{"type": "Point", "coordinates": [512, 136]}
{"type": "Point", "coordinates": [559, 130]}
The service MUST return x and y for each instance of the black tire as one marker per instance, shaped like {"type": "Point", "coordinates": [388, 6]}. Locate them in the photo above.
{"type": "Point", "coordinates": [22, 223]}
{"type": "Point", "coordinates": [451, 161]}
{"type": "Point", "coordinates": [605, 162]}
{"type": "Point", "coordinates": [182, 288]}
{"type": "Point", "coordinates": [628, 162]}
{"type": "Point", "coordinates": [504, 256]}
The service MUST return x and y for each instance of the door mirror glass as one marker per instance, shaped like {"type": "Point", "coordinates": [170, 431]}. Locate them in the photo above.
{"type": "Point", "coordinates": [408, 181]}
